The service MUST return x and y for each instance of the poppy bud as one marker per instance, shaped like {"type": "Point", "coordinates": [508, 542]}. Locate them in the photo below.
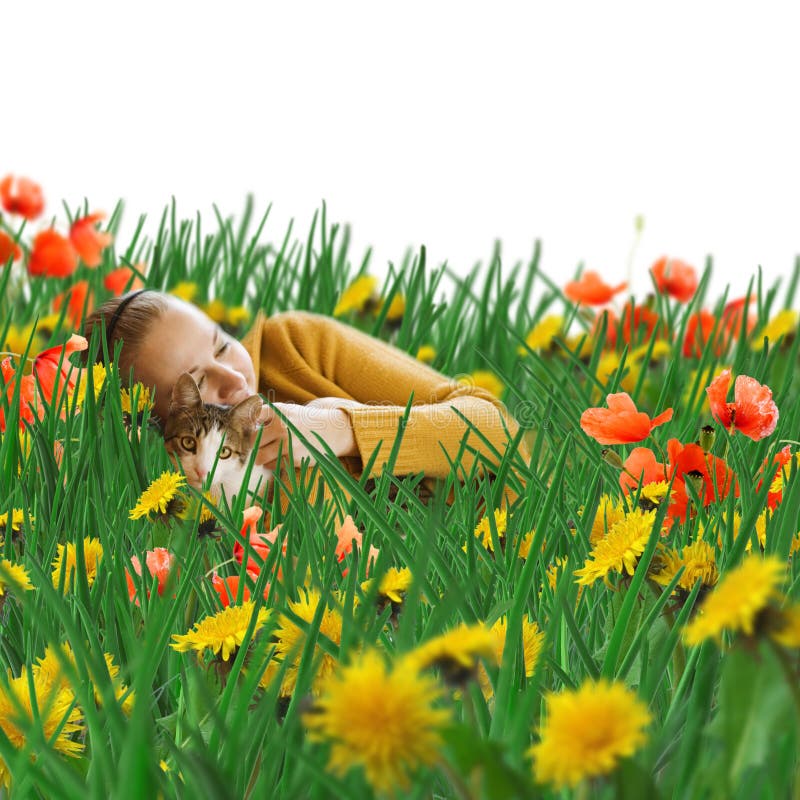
{"type": "Point", "coordinates": [696, 479]}
{"type": "Point", "coordinates": [612, 457]}
{"type": "Point", "coordinates": [707, 435]}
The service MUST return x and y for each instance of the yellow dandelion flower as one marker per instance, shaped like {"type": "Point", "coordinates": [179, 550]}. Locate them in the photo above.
{"type": "Point", "coordinates": [532, 641]}
{"type": "Point", "coordinates": [98, 379]}
{"type": "Point", "coordinates": [587, 731]}
{"type": "Point", "coordinates": [736, 525]}
{"type": "Point", "coordinates": [66, 560]}
{"type": "Point", "coordinates": [186, 290]}
{"type": "Point", "coordinates": [140, 394]}
{"type": "Point", "coordinates": [580, 344]}
{"type": "Point", "coordinates": [47, 326]}
{"type": "Point", "coordinates": [456, 652]}
{"type": "Point", "coordinates": [660, 351]}
{"type": "Point", "coordinates": [610, 511]}
{"type": "Point", "coordinates": [17, 521]}
{"type": "Point", "coordinates": [621, 548]}
{"type": "Point", "coordinates": [788, 632]}
{"type": "Point", "coordinates": [162, 497]}
{"type": "Point", "coordinates": [483, 530]}
{"type": "Point", "coordinates": [653, 494]}
{"type": "Point", "coordinates": [17, 339]}
{"type": "Point", "coordinates": [426, 354]}
{"type": "Point", "coordinates": [698, 561]}
{"type": "Point", "coordinates": [737, 599]}
{"type": "Point", "coordinates": [608, 366]}
{"type": "Point", "coordinates": [484, 379]}
{"type": "Point", "coordinates": [223, 633]}
{"type": "Point", "coordinates": [14, 576]}
{"type": "Point", "coordinates": [237, 315]}
{"type": "Point", "coordinates": [779, 481]}
{"type": "Point", "coordinates": [56, 716]}
{"type": "Point", "coordinates": [216, 310]}
{"type": "Point", "coordinates": [207, 522]}
{"type": "Point", "coordinates": [356, 295]}
{"type": "Point", "coordinates": [50, 670]}
{"type": "Point", "coordinates": [393, 586]}
{"type": "Point", "coordinates": [525, 544]}
{"type": "Point", "coordinates": [396, 308]}
{"type": "Point", "coordinates": [290, 639]}
{"type": "Point", "coordinates": [783, 324]}
{"type": "Point", "coordinates": [542, 334]}
{"type": "Point", "coordinates": [383, 720]}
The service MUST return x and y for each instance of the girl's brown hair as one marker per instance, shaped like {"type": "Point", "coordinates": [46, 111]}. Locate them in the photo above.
{"type": "Point", "coordinates": [131, 323]}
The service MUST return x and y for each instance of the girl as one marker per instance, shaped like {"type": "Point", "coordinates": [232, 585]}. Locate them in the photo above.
{"type": "Point", "coordinates": [329, 379]}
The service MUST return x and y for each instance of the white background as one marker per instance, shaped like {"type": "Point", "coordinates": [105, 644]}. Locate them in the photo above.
{"type": "Point", "coordinates": [443, 123]}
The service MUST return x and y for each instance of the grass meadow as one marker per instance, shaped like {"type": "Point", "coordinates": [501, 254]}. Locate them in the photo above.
{"type": "Point", "coordinates": [627, 627]}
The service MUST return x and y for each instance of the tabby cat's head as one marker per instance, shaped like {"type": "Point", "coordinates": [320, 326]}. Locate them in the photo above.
{"type": "Point", "coordinates": [196, 432]}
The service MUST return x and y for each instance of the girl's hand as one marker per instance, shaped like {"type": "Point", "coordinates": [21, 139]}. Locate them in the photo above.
{"type": "Point", "coordinates": [317, 417]}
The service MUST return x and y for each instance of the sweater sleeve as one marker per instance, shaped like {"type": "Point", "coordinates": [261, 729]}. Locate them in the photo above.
{"type": "Point", "coordinates": [301, 356]}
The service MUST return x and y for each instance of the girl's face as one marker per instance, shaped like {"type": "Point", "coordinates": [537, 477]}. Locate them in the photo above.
{"type": "Point", "coordinates": [184, 339]}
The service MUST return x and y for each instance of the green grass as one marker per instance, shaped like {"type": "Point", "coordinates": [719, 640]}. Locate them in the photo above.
{"type": "Point", "coordinates": [725, 718]}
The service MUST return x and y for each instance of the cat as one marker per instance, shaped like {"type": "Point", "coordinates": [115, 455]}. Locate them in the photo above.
{"type": "Point", "coordinates": [198, 434]}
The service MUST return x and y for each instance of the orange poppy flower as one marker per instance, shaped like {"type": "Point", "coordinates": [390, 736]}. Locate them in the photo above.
{"type": "Point", "coordinates": [641, 467]}
{"type": "Point", "coordinates": [699, 331]}
{"type": "Point", "coordinates": [260, 543]}
{"type": "Point", "coordinates": [88, 241]}
{"type": "Point", "coordinates": [21, 196]}
{"type": "Point", "coordinates": [159, 563]}
{"type": "Point", "coordinates": [611, 323]}
{"type": "Point", "coordinates": [52, 255]}
{"type": "Point", "coordinates": [228, 588]}
{"type": "Point", "coordinates": [675, 278]}
{"type": "Point", "coordinates": [639, 323]}
{"type": "Point", "coordinates": [753, 411]}
{"type": "Point", "coordinates": [621, 422]}
{"type": "Point", "coordinates": [591, 289]}
{"type": "Point", "coordinates": [9, 249]}
{"type": "Point", "coordinates": [77, 298]}
{"type": "Point", "coordinates": [346, 535]}
{"type": "Point", "coordinates": [123, 279]}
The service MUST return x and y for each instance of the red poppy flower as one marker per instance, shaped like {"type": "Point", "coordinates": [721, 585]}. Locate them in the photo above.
{"type": "Point", "coordinates": [611, 323]}
{"type": "Point", "coordinates": [260, 543]}
{"type": "Point", "coordinates": [639, 323]}
{"type": "Point", "coordinates": [47, 380]}
{"type": "Point", "coordinates": [159, 563]}
{"type": "Point", "coordinates": [21, 196]}
{"type": "Point", "coordinates": [9, 249]}
{"type": "Point", "coordinates": [77, 298]}
{"type": "Point", "coordinates": [753, 411]}
{"type": "Point", "coordinates": [52, 255]}
{"type": "Point", "coordinates": [621, 422]}
{"type": "Point", "coordinates": [28, 407]}
{"type": "Point", "coordinates": [228, 588]}
{"type": "Point", "coordinates": [711, 477]}
{"type": "Point", "coordinates": [88, 241]}
{"type": "Point", "coordinates": [123, 279]}
{"type": "Point", "coordinates": [733, 314]}
{"type": "Point", "coordinates": [591, 290]}
{"type": "Point", "coordinates": [46, 369]}
{"type": "Point", "coordinates": [641, 467]}
{"type": "Point", "coordinates": [675, 278]}
{"type": "Point", "coordinates": [699, 331]}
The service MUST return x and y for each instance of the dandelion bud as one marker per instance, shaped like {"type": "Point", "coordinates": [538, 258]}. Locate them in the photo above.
{"type": "Point", "coordinates": [612, 457]}
{"type": "Point", "coordinates": [707, 435]}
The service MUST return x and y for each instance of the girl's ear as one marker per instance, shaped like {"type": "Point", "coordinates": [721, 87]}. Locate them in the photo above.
{"type": "Point", "coordinates": [248, 411]}
{"type": "Point", "coordinates": [185, 393]}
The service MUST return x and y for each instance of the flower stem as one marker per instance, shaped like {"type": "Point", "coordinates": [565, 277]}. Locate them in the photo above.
{"type": "Point", "coordinates": [456, 781]}
{"type": "Point", "coordinates": [789, 673]}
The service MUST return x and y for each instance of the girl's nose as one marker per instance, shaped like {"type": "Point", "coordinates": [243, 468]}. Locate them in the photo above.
{"type": "Point", "coordinates": [232, 387]}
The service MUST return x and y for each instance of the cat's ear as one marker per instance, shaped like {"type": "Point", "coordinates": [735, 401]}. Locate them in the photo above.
{"type": "Point", "coordinates": [185, 393]}
{"type": "Point", "coordinates": [247, 413]}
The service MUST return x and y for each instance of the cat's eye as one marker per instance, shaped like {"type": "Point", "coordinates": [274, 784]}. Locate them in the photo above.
{"type": "Point", "coordinates": [225, 452]}
{"type": "Point", "coordinates": [188, 443]}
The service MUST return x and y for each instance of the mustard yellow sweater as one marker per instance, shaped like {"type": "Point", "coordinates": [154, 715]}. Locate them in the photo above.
{"type": "Point", "coordinates": [300, 356]}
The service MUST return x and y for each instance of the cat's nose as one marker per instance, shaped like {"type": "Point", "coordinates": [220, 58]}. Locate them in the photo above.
{"type": "Point", "coordinates": [200, 475]}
